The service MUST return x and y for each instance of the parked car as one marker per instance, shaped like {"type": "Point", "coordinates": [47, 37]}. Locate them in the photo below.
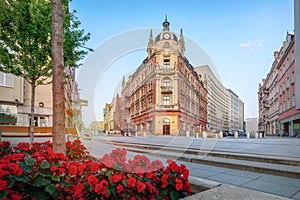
{"type": "Point", "coordinates": [115, 132]}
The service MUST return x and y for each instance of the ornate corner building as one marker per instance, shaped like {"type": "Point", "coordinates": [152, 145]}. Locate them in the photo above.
{"type": "Point", "coordinates": [165, 95]}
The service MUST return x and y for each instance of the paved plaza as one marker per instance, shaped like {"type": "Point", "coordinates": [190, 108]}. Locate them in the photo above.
{"type": "Point", "coordinates": [273, 186]}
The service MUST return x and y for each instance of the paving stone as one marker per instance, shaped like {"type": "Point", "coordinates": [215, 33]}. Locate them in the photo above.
{"type": "Point", "coordinates": [245, 174]}
{"type": "Point", "coordinates": [297, 196]}
{"type": "Point", "coordinates": [229, 179]}
{"type": "Point", "coordinates": [202, 173]}
{"type": "Point", "coordinates": [278, 189]}
{"type": "Point", "coordinates": [228, 192]}
{"type": "Point", "coordinates": [280, 179]}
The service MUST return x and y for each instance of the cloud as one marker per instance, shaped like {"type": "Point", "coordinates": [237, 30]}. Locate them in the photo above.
{"type": "Point", "coordinates": [251, 45]}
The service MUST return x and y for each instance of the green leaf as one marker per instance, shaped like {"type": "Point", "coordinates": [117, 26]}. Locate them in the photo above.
{"type": "Point", "coordinates": [38, 194]}
{"type": "Point", "coordinates": [65, 183]}
{"type": "Point", "coordinates": [45, 172]}
{"type": "Point", "coordinates": [29, 161]}
{"type": "Point", "coordinates": [55, 178]}
{"type": "Point", "coordinates": [3, 194]}
{"type": "Point", "coordinates": [108, 172]}
{"type": "Point", "coordinates": [40, 181]}
{"type": "Point", "coordinates": [45, 164]}
{"type": "Point", "coordinates": [10, 182]}
{"type": "Point", "coordinates": [124, 182]}
{"type": "Point", "coordinates": [24, 167]}
{"type": "Point", "coordinates": [51, 190]}
{"type": "Point", "coordinates": [22, 178]}
{"type": "Point", "coordinates": [163, 192]}
{"type": "Point", "coordinates": [174, 195]}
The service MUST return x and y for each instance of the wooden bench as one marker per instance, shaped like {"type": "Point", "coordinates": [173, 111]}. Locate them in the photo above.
{"type": "Point", "coordinates": [22, 131]}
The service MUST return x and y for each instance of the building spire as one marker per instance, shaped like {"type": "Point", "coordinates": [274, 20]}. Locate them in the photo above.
{"type": "Point", "coordinates": [150, 38]}
{"type": "Point", "coordinates": [181, 41]}
{"type": "Point", "coordinates": [166, 24]}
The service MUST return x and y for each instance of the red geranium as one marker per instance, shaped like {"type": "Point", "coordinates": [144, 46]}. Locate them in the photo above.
{"type": "Point", "coordinates": [140, 186]}
{"type": "Point", "coordinates": [131, 182]}
{"type": "Point", "coordinates": [179, 184]}
{"type": "Point", "coordinates": [119, 188]}
{"type": "Point", "coordinates": [101, 187]}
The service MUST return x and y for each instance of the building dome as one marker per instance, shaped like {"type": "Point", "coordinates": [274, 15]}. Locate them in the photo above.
{"type": "Point", "coordinates": [163, 36]}
{"type": "Point", "coordinates": [166, 34]}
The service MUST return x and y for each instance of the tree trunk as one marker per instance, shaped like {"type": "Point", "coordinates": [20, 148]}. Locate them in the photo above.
{"type": "Point", "coordinates": [58, 78]}
{"type": "Point", "coordinates": [31, 128]}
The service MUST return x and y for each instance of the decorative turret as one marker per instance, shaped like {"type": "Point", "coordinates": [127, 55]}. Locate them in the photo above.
{"type": "Point", "coordinates": [150, 44]}
{"type": "Point", "coordinates": [166, 24]}
{"type": "Point", "coordinates": [181, 41]}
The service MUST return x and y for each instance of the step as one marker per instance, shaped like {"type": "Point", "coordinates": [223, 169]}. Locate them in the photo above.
{"type": "Point", "coordinates": [214, 153]}
{"type": "Point", "coordinates": [267, 168]}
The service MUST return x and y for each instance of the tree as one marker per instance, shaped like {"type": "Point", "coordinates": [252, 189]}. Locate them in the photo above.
{"type": "Point", "coordinates": [58, 77]}
{"type": "Point", "coordinates": [25, 42]}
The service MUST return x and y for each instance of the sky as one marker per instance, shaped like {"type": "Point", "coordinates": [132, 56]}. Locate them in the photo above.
{"type": "Point", "coordinates": [239, 37]}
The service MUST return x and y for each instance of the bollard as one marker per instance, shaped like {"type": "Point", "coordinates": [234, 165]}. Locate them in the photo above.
{"type": "Point", "coordinates": [187, 134]}
{"type": "Point", "coordinates": [204, 135]}
{"type": "Point", "coordinates": [221, 134]}
{"type": "Point", "coordinates": [256, 135]}
{"type": "Point", "coordinates": [196, 135]}
{"type": "Point", "coordinates": [129, 134]}
{"type": "Point", "coordinates": [260, 135]}
{"type": "Point", "coordinates": [248, 135]}
{"type": "Point", "coordinates": [216, 136]}
{"type": "Point", "coordinates": [236, 134]}
{"type": "Point", "coordinates": [145, 135]}
{"type": "Point", "coordinates": [136, 134]}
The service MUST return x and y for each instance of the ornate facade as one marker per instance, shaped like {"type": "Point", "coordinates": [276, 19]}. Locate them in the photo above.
{"type": "Point", "coordinates": [165, 95]}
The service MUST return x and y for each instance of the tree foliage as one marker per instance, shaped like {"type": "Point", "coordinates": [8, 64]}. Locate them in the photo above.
{"type": "Point", "coordinates": [25, 41]}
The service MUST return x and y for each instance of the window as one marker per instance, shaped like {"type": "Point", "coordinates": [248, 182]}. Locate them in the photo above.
{"type": "Point", "coordinates": [166, 63]}
{"type": "Point", "coordinates": [166, 100]}
{"type": "Point", "coordinates": [166, 82]}
{"type": "Point", "coordinates": [6, 80]}
{"type": "Point", "coordinates": [293, 100]}
{"type": "Point", "coordinates": [150, 101]}
{"type": "Point", "coordinates": [293, 77]}
{"type": "Point", "coordinates": [150, 86]}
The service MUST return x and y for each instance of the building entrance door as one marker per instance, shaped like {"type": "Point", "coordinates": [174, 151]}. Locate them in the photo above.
{"type": "Point", "coordinates": [166, 129]}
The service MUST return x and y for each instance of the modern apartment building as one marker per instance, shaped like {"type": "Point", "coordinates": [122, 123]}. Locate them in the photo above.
{"type": "Point", "coordinates": [277, 100]}
{"type": "Point", "coordinates": [165, 95]}
{"type": "Point", "coordinates": [218, 100]}
{"type": "Point", "coordinates": [236, 115]}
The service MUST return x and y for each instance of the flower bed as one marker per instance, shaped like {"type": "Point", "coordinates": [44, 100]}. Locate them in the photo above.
{"type": "Point", "coordinates": [36, 172]}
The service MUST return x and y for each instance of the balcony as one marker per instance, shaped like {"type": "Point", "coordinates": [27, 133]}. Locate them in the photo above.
{"type": "Point", "coordinates": [167, 107]}
{"type": "Point", "coordinates": [166, 89]}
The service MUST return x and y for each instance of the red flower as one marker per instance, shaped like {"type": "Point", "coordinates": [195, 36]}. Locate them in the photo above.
{"type": "Point", "coordinates": [72, 170]}
{"type": "Point", "coordinates": [119, 188]}
{"type": "Point", "coordinates": [81, 168]}
{"type": "Point", "coordinates": [186, 174]}
{"type": "Point", "coordinates": [150, 187]}
{"type": "Point", "coordinates": [78, 190]}
{"type": "Point", "coordinates": [94, 167]}
{"type": "Point", "coordinates": [140, 186]}
{"type": "Point", "coordinates": [164, 180]}
{"type": "Point", "coordinates": [15, 168]}
{"type": "Point", "coordinates": [53, 168]}
{"type": "Point", "coordinates": [92, 180]}
{"type": "Point", "coordinates": [101, 187]}
{"type": "Point", "coordinates": [14, 195]}
{"type": "Point", "coordinates": [116, 178]}
{"type": "Point", "coordinates": [179, 184]}
{"type": "Point", "coordinates": [3, 185]}
{"type": "Point", "coordinates": [131, 182]}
